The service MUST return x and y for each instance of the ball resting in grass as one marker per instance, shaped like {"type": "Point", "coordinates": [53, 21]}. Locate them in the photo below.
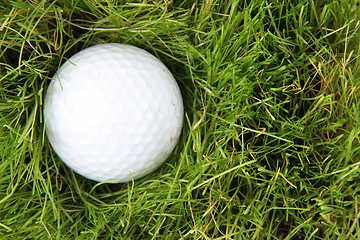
{"type": "Point", "coordinates": [113, 112]}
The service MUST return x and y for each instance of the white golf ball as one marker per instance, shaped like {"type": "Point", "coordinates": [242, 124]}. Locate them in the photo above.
{"type": "Point", "coordinates": [113, 112]}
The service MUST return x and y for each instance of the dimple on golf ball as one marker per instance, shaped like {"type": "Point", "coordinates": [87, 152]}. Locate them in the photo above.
{"type": "Point", "coordinates": [113, 112]}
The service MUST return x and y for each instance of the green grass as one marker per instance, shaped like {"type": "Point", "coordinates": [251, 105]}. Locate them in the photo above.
{"type": "Point", "coordinates": [270, 147]}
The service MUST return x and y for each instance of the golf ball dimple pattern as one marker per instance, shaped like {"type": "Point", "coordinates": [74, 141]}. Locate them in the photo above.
{"type": "Point", "coordinates": [113, 112]}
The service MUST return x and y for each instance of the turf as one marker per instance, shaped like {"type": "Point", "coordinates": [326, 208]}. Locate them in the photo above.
{"type": "Point", "coordinates": [270, 147]}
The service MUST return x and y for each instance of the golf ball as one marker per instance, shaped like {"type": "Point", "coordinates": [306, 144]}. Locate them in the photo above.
{"type": "Point", "coordinates": [113, 112]}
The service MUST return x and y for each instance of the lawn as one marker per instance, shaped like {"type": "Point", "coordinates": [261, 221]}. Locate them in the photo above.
{"type": "Point", "coordinates": [270, 147]}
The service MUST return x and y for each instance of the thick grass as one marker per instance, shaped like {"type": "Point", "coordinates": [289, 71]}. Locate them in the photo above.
{"type": "Point", "coordinates": [270, 147]}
